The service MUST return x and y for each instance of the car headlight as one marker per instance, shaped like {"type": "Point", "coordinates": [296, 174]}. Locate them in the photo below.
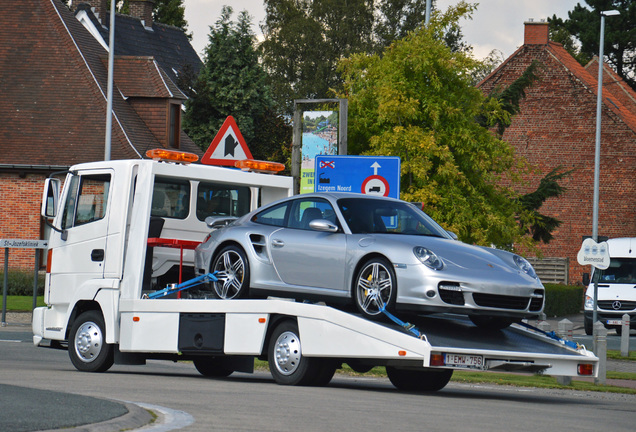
{"type": "Point", "coordinates": [428, 258]}
{"type": "Point", "coordinates": [525, 266]}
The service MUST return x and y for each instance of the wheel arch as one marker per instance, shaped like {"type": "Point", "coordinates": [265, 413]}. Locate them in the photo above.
{"type": "Point", "coordinates": [274, 321]}
{"type": "Point", "coordinates": [222, 246]}
{"type": "Point", "coordinates": [80, 307]}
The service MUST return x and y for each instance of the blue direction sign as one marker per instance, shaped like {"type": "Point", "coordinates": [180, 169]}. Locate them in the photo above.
{"type": "Point", "coordinates": [371, 175]}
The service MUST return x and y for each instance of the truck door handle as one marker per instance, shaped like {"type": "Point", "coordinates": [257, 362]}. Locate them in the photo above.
{"type": "Point", "coordinates": [97, 255]}
{"type": "Point", "coordinates": [278, 243]}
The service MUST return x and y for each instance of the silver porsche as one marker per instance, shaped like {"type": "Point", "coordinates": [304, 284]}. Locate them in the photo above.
{"type": "Point", "coordinates": [372, 252]}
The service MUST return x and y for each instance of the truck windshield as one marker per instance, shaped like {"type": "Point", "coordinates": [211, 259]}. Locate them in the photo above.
{"type": "Point", "coordinates": [621, 270]}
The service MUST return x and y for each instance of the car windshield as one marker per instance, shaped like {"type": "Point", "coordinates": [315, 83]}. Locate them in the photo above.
{"type": "Point", "coordinates": [621, 270]}
{"type": "Point", "coordinates": [364, 216]}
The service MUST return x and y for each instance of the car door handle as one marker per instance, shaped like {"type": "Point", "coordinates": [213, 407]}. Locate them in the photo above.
{"type": "Point", "coordinates": [97, 255]}
{"type": "Point", "coordinates": [278, 243]}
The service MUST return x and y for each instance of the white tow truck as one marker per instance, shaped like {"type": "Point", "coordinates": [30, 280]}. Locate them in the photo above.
{"type": "Point", "coordinates": [123, 231]}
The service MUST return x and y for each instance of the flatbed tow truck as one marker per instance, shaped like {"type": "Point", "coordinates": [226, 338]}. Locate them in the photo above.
{"type": "Point", "coordinates": [102, 303]}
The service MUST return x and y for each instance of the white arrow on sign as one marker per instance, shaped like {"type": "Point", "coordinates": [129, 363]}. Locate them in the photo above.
{"type": "Point", "coordinates": [594, 254]}
{"type": "Point", "coordinates": [375, 167]}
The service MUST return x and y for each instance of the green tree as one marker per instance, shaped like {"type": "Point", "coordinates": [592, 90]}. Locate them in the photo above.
{"type": "Point", "coordinates": [620, 34]}
{"type": "Point", "coordinates": [417, 101]}
{"type": "Point", "coordinates": [232, 82]}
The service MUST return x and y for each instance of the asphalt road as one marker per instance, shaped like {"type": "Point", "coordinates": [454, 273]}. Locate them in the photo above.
{"type": "Point", "coordinates": [186, 401]}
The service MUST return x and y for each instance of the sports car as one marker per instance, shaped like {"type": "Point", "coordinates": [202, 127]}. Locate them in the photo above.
{"type": "Point", "coordinates": [373, 252]}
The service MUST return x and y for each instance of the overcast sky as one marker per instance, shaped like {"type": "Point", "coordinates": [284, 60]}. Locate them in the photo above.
{"type": "Point", "coordinates": [497, 24]}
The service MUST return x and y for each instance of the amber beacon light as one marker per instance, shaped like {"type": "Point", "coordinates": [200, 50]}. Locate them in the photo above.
{"type": "Point", "coordinates": [164, 155]}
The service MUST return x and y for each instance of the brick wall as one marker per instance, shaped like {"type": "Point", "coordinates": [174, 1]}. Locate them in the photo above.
{"type": "Point", "coordinates": [20, 215]}
{"type": "Point", "coordinates": [557, 126]}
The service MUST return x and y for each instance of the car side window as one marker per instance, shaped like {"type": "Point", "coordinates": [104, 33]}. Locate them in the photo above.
{"type": "Point", "coordinates": [303, 211]}
{"type": "Point", "coordinates": [272, 216]}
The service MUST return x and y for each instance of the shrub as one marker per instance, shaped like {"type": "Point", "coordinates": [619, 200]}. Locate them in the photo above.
{"type": "Point", "coordinates": [20, 283]}
{"type": "Point", "coordinates": [563, 300]}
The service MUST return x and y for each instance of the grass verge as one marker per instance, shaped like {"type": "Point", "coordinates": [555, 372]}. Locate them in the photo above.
{"type": "Point", "coordinates": [22, 303]}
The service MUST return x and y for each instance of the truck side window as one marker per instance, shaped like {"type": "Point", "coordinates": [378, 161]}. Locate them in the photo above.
{"type": "Point", "coordinates": [86, 201]}
{"type": "Point", "coordinates": [171, 198]}
{"type": "Point", "coordinates": [222, 200]}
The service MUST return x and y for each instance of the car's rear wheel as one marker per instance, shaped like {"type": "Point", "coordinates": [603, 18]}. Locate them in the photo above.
{"type": "Point", "coordinates": [419, 380]}
{"type": "Point", "coordinates": [375, 288]}
{"type": "Point", "coordinates": [491, 323]}
{"type": "Point", "coordinates": [232, 273]}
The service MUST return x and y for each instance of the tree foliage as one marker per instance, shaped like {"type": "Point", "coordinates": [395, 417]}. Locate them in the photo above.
{"type": "Point", "coordinates": [584, 25]}
{"type": "Point", "coordinates": [417, 101]}
{"type": "Point", "coordinates": [231, 82]}
{"type": "Point", "coordinates": [305, 39]}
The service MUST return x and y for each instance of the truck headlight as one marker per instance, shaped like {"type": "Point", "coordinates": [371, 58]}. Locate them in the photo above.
{"type": "Point", "coordinates": [428, 258]}
{"type": "Point", "coordinates": [525, 266]}
{"type": "Point", "coordinates": [589, 302]}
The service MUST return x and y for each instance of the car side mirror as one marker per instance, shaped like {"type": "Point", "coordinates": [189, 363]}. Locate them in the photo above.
{"type": "Point", "coordinates": [323, 225]}
{"type": "Point", "coordinates": [586, 279]}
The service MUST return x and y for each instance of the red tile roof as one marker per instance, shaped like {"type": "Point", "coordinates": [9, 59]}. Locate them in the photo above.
{"type": "Point", "coordinates": [54, 84]}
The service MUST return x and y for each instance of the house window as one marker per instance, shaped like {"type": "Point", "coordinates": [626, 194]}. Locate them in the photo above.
{"type": "Point", "coordinates": [174, 126]}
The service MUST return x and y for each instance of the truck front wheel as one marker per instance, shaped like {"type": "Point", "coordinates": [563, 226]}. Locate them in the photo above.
{"type": "Point", "coordinates": [419, 380]}
{"type": "Point", "coordinates": [87, 345]}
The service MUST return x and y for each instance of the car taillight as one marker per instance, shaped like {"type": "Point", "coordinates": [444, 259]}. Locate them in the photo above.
{"type": "Point", "coordinates": [585, 369]}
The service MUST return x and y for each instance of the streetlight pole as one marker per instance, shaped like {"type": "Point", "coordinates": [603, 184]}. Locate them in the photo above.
{"type": "Point", "coordinates": [597, 150]}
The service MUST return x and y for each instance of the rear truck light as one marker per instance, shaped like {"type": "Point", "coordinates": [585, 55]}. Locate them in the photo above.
{"type": "Point", "coordinates": [585, 369]}
{"type": "Point", "coordinates": [259, 166]}
{"type": "Point", "coordinates": [163, 155]}
{"type": "Point", "coordinates": [437, 360]}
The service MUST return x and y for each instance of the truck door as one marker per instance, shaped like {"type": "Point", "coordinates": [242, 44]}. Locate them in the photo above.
{"type": "Point", "coordinates": [84, 219]}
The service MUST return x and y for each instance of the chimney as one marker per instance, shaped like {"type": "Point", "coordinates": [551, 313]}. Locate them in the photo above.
{"type": "Point", "coordinates": [142, 9]}
{"type": "Point", "coordinates": [536, 33]}
{"type": "Point", "coordinates": [99, 7]}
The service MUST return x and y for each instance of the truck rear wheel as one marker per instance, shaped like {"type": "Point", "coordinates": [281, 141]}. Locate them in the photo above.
{"type": "Point", "coordinates": [287, 364]}
{"type": "Point", "coordinates": [419, 380]}
{"type": "Point", "coordinates": [212, 367]}
{"type": "Point", "coordinates": [87, 345]}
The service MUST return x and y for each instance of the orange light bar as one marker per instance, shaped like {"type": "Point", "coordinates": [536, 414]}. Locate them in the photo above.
{"type": "Point", "coordinates": [164, 155]}
{"type": "Point", "coordinates": [259, 166]}
{"type": "Point", "coordinates": [437, 360]}
{"type": "Point", "coordinates": [585, 369]}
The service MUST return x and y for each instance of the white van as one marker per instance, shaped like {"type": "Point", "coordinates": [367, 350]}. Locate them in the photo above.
{"type": "Point", "coordinates": [616, 287]}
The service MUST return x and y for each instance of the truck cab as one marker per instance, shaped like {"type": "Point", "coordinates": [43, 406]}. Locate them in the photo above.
{"type": "Point", "coordinates": [102, 220]}
{"type": "Point", "coordinates": [616, 287]}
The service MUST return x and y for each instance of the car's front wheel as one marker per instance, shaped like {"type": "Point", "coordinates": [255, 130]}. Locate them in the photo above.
{"type": "Point", "coordinates": [490, 323]}
{"type": "Point", "coordinates": [232, 273]}
{"type": "Point", "coordinates": [375, 288]}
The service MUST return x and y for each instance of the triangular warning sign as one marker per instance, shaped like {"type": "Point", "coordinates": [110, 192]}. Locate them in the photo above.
{"type": "Point", "coordinates": [227, 147]}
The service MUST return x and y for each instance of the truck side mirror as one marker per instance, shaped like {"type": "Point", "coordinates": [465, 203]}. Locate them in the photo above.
{"type": "Point", "coordinates": [50, 198]}
{"type": "Point", "coordinates": [586, 279]}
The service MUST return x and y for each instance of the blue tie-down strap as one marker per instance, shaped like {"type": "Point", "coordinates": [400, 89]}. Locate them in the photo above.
{"type": "Point", "coordinates": [406, 326]}
{"type": "Point", "coordinates": [208, 277]}
{"type": "Point", "coordinates": [552, 335]}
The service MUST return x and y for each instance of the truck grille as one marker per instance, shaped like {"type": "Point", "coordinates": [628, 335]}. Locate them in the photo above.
{"type": "Point", "coordinates": [501, 301]}
{"type": "Point", "coordinates": [620, 305]}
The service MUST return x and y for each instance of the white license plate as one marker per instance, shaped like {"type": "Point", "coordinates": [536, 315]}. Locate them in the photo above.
{"type": "Point", "coordinates": [614, 322]}
{"type": "Point", "coordinates": [464, 361]}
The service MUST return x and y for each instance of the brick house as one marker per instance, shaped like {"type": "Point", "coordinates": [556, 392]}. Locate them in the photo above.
{"type": "Point", "coordinates": [53, 81]}
{"type": "Point", "coordinates": [557, 127]}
